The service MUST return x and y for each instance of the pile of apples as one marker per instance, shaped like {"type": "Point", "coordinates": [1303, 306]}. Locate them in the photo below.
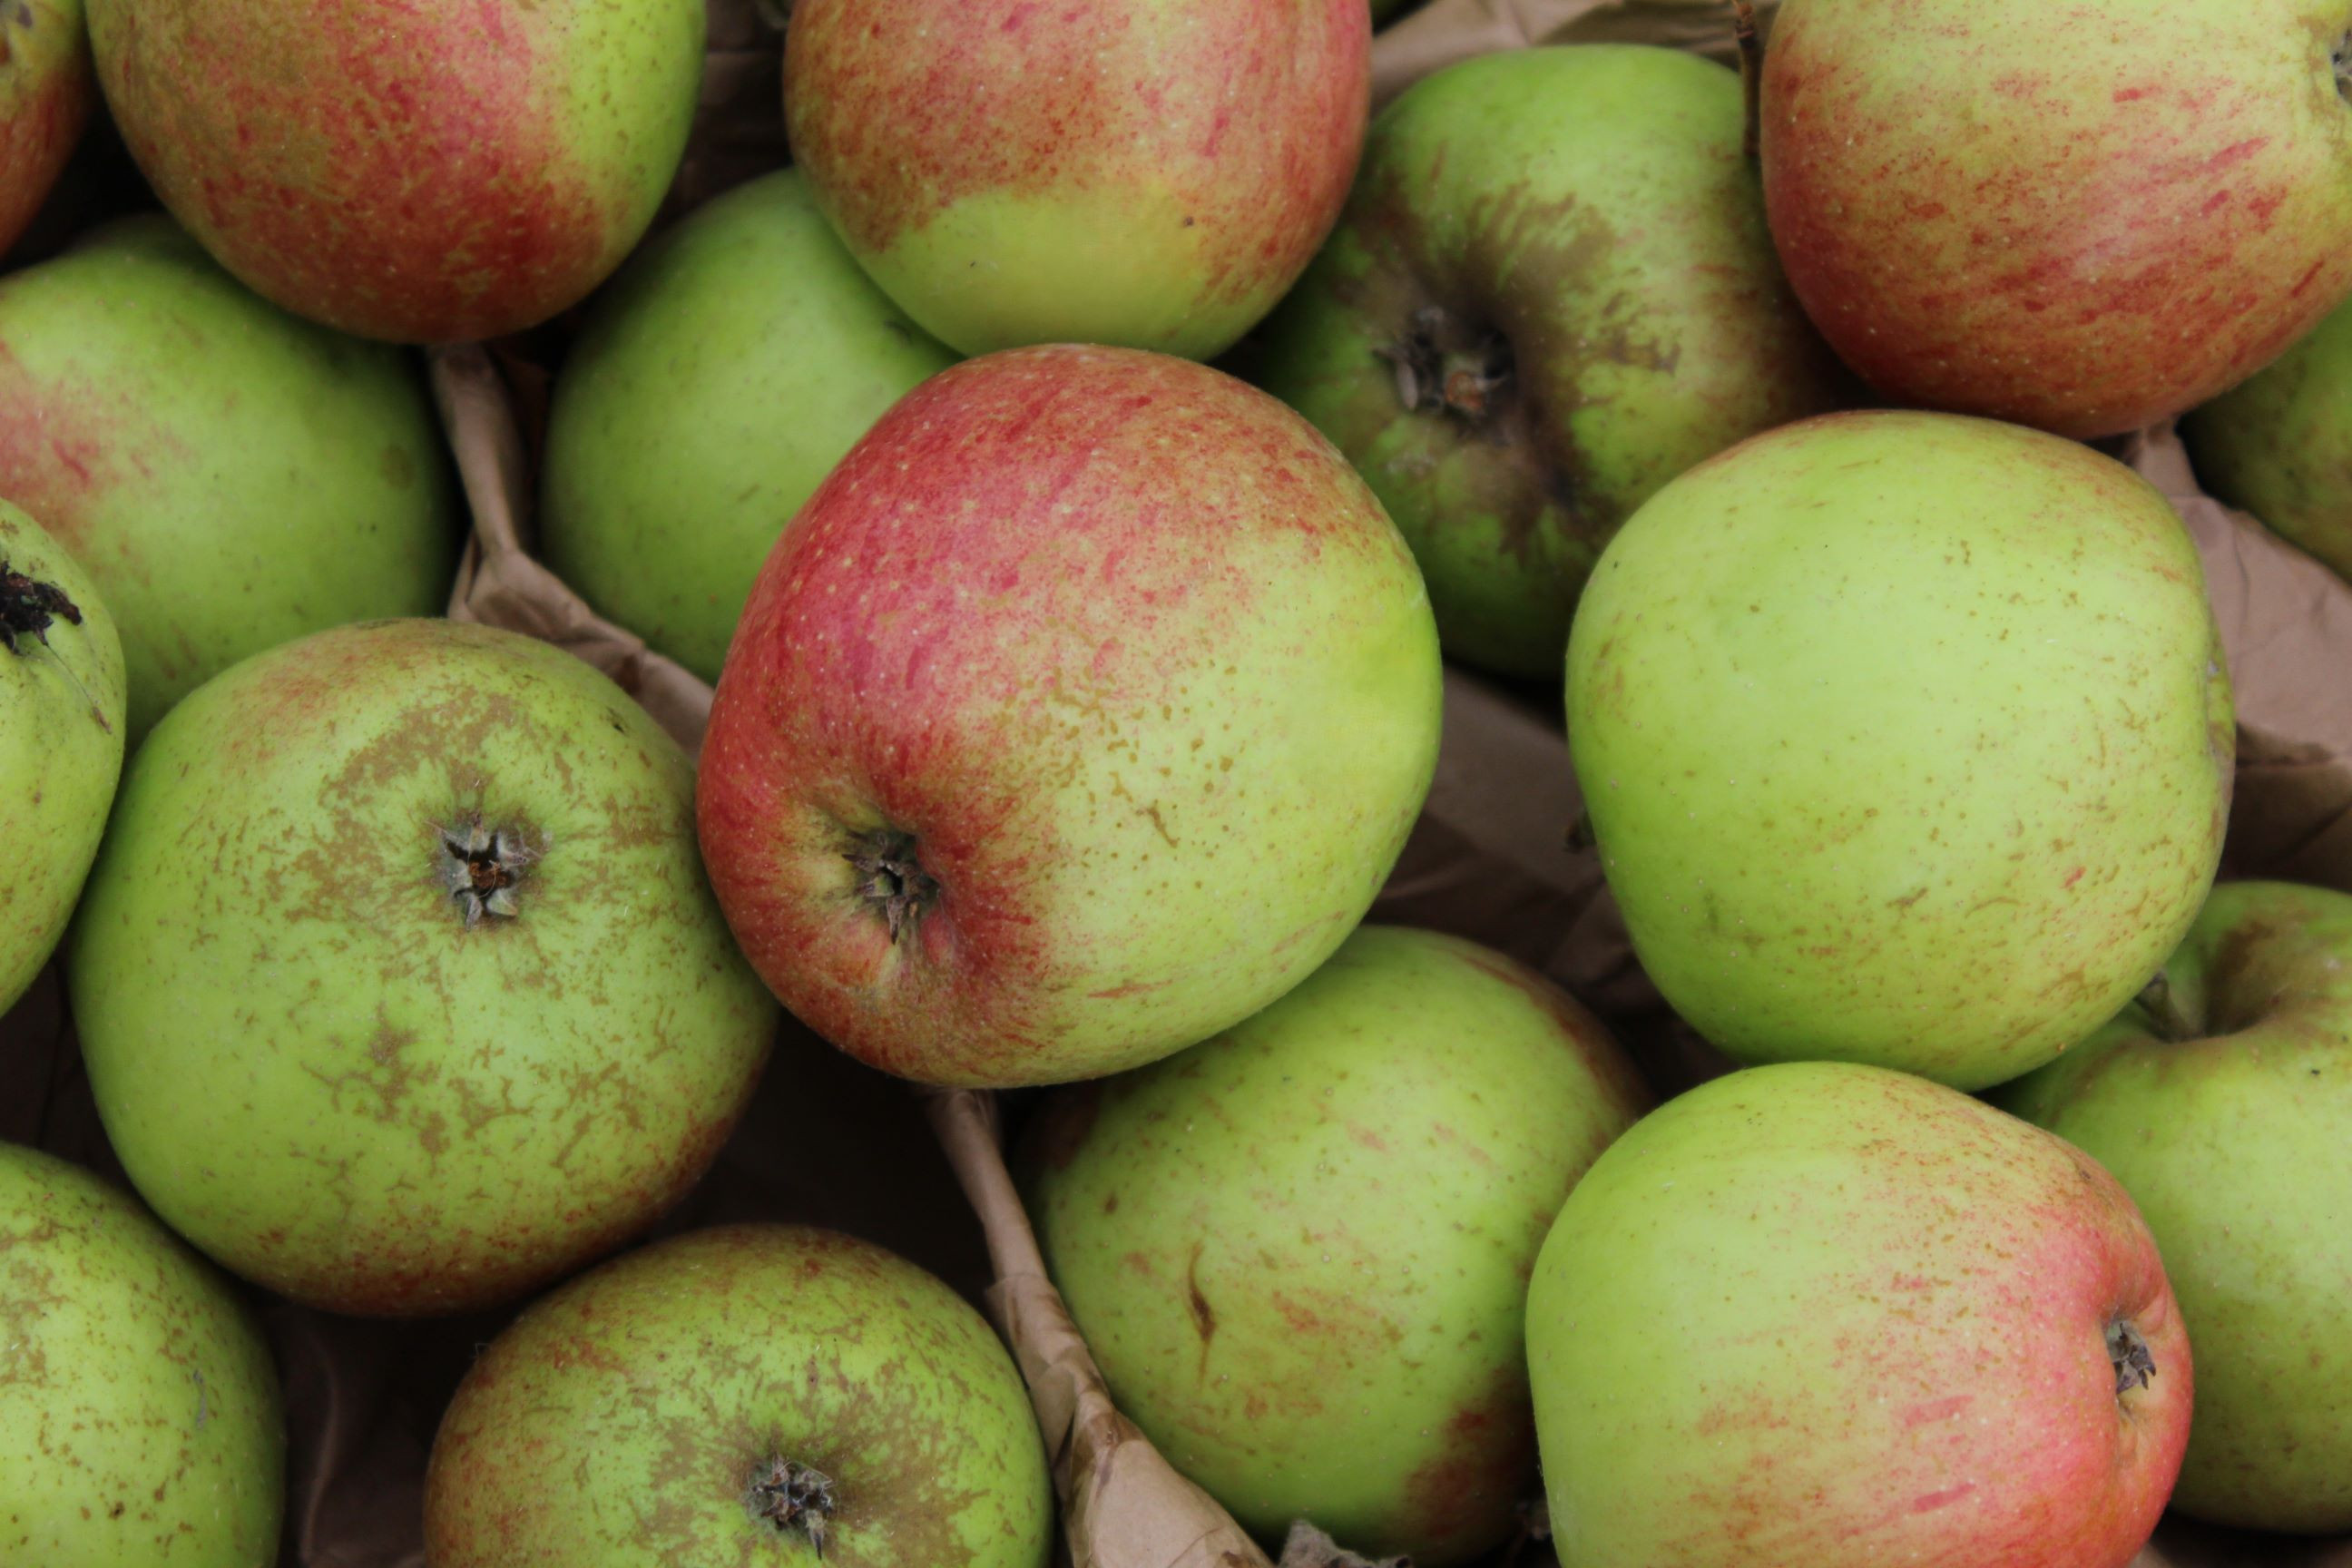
{"type": "Point", "coordinates": [1074, 699]}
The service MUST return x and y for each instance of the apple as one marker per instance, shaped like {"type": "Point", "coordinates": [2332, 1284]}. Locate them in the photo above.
{"type": "Point", "coordinates": [2086, 218]}
{"type": "Point", "coordinates": [61, 747]}
{"type": "Point", "coordinates": [1080, 713]}
{"type": "Point", "coordinates": [229, 477]}
{"type": "Point", "coordinates": [1905, 739]}
{"type": "Point", "coordinates": [47, 92]}
{"type": "Point", "coordinates": [703, 401]}
{"type": "Point", "coordinates": [139, 1425]}
{"type": "Point", "coordinates": [1552, 293]}
{"type": "Point", "coordinates": [1122, 172]}
{"type": "Point", "coordinates": [2223, 1108]}
{"type": "Point", "coordinates": [1833, 1315]}
{"type": "Point", "coordinates": [399, 986]}
{"type": "Point", "coordinates": [2280, 446]}
{"type": "Point", "coordinates": [755, 1392]}
{"type": "Point", "coordinates": [1299, 1250]}
{"type": "Point", "coordinates": [433, 172]}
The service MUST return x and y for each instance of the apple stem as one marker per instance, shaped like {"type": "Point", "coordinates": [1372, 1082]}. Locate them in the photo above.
{"type": "Point", "coordinates": [1751, 74]}
{"type": "Point", "coordinates": [895, 881]}
{"type": "Point", "coordinates": [790, 1495]}
{"type": "Point", "coordinates": [2165, 1012]}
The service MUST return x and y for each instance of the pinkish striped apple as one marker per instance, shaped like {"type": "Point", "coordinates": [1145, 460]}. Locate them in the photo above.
{"type": "Point", "coordinates": [46, 94]}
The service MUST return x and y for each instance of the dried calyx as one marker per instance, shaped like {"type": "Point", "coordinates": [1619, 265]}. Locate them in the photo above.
{"type": "Point", "coordinates": [482, 866]}
{"type": "Point", "coordinates": [794, 1496]}
{"type": "Point", "coordinates": [2135, 1365]}
{"type": "Point", "coordinates": [28, 607]}
{"type": "Point", "coordinates": [892, 879]}
{"type": "Point", "coordinates": [1447, 366]}
{"type": "Point", "coordinates": [2343, 66]}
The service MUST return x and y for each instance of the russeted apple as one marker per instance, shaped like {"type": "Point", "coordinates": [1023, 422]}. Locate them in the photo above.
{"type": "Point", "coordinates": [140, 1424]}
{"type": "Point", "coordinates": [1907, 739]}
{"type": "Point", "coordinates": [47, 91]}
{"type": "Point", "coordinates": [1121, 171]}
{"type": "Point", "coordinates": [61, 745]}
{"type": "Point", "coordinates": [2086, 217]}
{"type": "Point", "coordinates": [230, 476]}
{"type": "Point", "coordinates": [432, 172]}
{"type": "Point", "coordinates": [400, 985]}
{"type": "Point", "coordinates": [2280, 446]}
{"type": "Point", "coordinates": [1835, 1316]}
{"type": "Point", "coordinates": [751, 1393]}
{"type": "Point", "coordinates": [1553, 292]}
{"type": "Point", "coordinates": [1080, 713]}
{"type": "Point", "coordinates": [712, 387]}
{"type": "Point", "coordinates": [1299, 1250]}
{"type": "Point", "coordinates": [2223, 1104]}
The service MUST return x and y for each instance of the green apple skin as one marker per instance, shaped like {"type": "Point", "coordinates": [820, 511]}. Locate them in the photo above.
{"type": "Point", "coordinates": [656, 1392]}
{"type": "Point", "coordinates": [46, 93]}
{"type": "Point", "coordinates": [1833, 1315]}
{"type": "Point", "coordinates": [1582, 220]}
{"type": "Point", "coordinates": [1149, 173]}
{"type": "Point", "coordinates": [713, 387]}
{"type": "Point", "coordinates": [60, 750]}
{"type": "Point", "coordinates": [1875, 706]}
{"type": "Point", "coordinates": [1299, 1250]}
{"type": "Point", "coordinates": [2280, 446]}
{"type": "Point", "coordinates": [140, 1424]}
{"type": "Point", "coordinates": [310, 1062]}
{"type": "Point", "coordinates": [232, 477]}
{"type": "Point", "coordinates": [2231, 1139]}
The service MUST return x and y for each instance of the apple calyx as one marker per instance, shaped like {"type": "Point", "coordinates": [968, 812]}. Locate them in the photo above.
{"type": "Point", "coordinates": [1444, 366]}
{"type": "Point", "coordinates": [895, 881]}
{"type": "Point", "coordinates": [2127, 1352]}
{"type": "Point", "coordinates": [482, 867]}
{"type": "Point", "coordinates": [29, 608]}
{"type": "Point", "coordinates": [793, 1496]}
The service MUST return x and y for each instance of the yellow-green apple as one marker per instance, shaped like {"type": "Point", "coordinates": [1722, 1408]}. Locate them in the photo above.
{"type": "Point", "coordinates": [1300, 1250]}
{"type": "Point", "coordinates": [752, 1393]}
{"type": "Point", "coordinates": [1080, 713]}
{"type": "Point", "coordinates": [400, 985]}
{"type": "Point", "coordinates": [715, 383]}
{"type": "Point", "coordinates": [2086, 217]}
{"type": "Point", "coordinates": [1833, 1315]}
{"type": "Point", "coordinates": [432, 172]}
{"type": "Point", "coordinates": [1553, 292]}
{"type": "Point", "coordinates": [47, 92]}
{"type": "Point", "coordinates": [1014, 172]}
{"type": "Point", "coordinates": [61, 747]}
{"type": "Point", "coordinates": [139, 1425]}
{"type": "Point", "coordinates": [230, 476]}
{"type": "Point", "coordinates": [2280, 446]}
{"type": "Point", "coordinates": [1877, 706]}
{"type": "Point", "coordinates": [2222, 1105]}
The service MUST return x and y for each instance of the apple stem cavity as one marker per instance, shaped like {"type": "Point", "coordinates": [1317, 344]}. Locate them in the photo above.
{"type": "Point", "coordinates": [482, 867]}
{"type": "Point", "coordinates": [2172, 1021]}
{"type": "Point", "coordinates": [793, 1495]}
{"type": "Point", "coordinates": [2127, 1352]}
{"type": "Point", "coordinates": [895, 881]}
{"type": "Point", "coordinates": [1444, 367]}
{"type": "Point", "coordinates": [1751, 75]}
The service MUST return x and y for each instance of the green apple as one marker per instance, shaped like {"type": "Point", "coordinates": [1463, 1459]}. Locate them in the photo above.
{"type": "Point", "coordinates": [1905, 739]}
{"type": "Point", "coordinates": [715, 383]}
{"type": "Point", "coordinates": [2281, 445]}
{"type": "Point", "coordinates": [1553, 292]}
{"type": "Point", "coordinates": [232, 477]}
{"type": "Point", "coordinates": [2224, 1108]}
{"type": "Point", "coordinates": [399, 982]}
{"type": "Point", "coordinates": [751, 1395]}
{"type": "Point", "coordinates": [1832, 1316]}
{"type": "Point", "coordinates": [60, 747]}
{"type": "Point", "coordinates": [139, 1425]}
{"type": "Point", "coordinates": [1299, 1251]}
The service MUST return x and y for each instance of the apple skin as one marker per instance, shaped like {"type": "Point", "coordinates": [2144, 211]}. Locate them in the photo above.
{"type": "Point", "coordinates": [656, 1390]}
{"type": "Point", "coordinates": [231, 477]}
{"type": "Point", "coordinates": [1122, 665]}
{"type": "Point", "coordinates": [2230, 1140]}
{"type": "Point", "coordinates": [46, 93]}
{"type": "Point", "coordinates": [60, 750]}
{"type": "Point", "coordinates": [1833, 1315]}
{"type": "Point", "coordinates": [702, 403]}
{"type": "Point", "coordinates": [1124, 172]}
{"type": "Point", "coordinates": [1587, 214]}
{"type": "Point", "coordinates": [314, 1068]}
{"type": "Point", "coordinates": [434, 172]}
{"type": "Point", "coordinates": [2086, 218]}
{"type": "Point", "coordinates": [140, 1423]}
{"type": "Point", "coordinates": [2280, 446]}
{"type": "Point", "coordinates": [1321, 1222]}
{"type": "Point", "coordinates": [1875, 707]}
